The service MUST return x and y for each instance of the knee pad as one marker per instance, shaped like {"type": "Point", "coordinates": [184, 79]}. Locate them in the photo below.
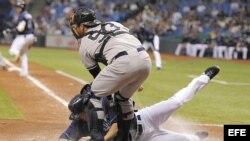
{"type": "Point", "coordinates": [95, 113]}
{"type": "Point", "coordinates": [96, 117]}
{"type": "Point", "coordinates": [119, 98]}
{"type": "Point", "coordinates": [120, 111]}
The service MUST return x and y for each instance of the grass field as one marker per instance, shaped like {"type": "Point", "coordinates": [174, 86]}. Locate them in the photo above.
{"type": "Point", "coordinates": [7, 107]}
{"type": "Point", "coordinates": [216, 104]}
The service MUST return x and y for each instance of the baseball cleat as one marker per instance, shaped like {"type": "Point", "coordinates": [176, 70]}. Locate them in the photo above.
{"type": "Point", "coordinates": [3, 68]}
{"type": "Point", "coordinates": [201, 134]}
{"type": "Point", "coordinates": [211, 72]}
{"type": "Point", "coordinates": [159, 68]}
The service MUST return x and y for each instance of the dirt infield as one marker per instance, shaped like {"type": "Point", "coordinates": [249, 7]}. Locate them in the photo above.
{"type": "Point", "coordinates": [45, 118]}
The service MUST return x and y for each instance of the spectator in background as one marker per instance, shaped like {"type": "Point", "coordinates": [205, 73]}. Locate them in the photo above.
{"type": "Point", "coordinates": [183, 45]}
{"type": "Point", "coordinates": [239, 48]}
{"type": "Point", "coordinates": [231, 42]}
{"type": "Point", "coordinates": [220, 50]}
{"type": "Point", "coordinates": [169, 18]}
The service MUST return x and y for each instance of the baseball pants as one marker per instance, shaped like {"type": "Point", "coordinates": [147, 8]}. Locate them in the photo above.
{"type": "Point", "coordinates": [154, 116]}
{"type": "Point", "coordinates": [20, 47]}
{"type": "Point", "coordinates": [125, 74]}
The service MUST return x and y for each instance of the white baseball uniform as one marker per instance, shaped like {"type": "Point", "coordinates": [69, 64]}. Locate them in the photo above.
{"type": "Point", "coordinates": [146, 126]}
{"type": "Point", "coordinates": [24, 39]}
{"type": "Point", "coordinates": [151, 118]}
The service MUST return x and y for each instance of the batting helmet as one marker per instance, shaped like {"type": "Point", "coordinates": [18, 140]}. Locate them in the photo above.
{"type": "Point", "coordinates": [21, 4]}
{"type": "Point", "coordinates": [84, 16]}
{"type": "Point", "coordinates": [76, 106]}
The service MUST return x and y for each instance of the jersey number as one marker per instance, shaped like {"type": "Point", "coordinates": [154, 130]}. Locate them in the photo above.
{"type": "Point", "coordinates": [106, 30]}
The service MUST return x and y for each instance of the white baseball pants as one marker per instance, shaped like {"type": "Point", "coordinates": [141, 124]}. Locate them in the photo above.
{"type": "Point", "coordinates": [154, 116]}
{"type": "Point", "coordinates": [20, 47]}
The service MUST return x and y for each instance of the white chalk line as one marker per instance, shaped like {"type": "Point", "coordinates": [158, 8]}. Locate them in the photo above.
{"type": "Point", "coordinates": [38, 84]}
{"type": "Point", "coordinates": [71, 77]}
{"type": "Point", "coordinates": [48, 91]}
{"type": "Point", "coordinates": [209, 125]}
{"type": "Point", "coordinates": [224, 82]}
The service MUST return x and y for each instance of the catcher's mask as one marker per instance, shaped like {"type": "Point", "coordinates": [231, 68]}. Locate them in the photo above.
{"type": "Point", "coordinates": [76, 106]}
{"type": "Point", "coordinates": [83, 16]}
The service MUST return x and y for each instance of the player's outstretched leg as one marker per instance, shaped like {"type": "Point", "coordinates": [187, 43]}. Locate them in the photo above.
{"type": "Point", "coordinates": [181, 97]}
{"type": "Point", "coordinates": [197, 84]}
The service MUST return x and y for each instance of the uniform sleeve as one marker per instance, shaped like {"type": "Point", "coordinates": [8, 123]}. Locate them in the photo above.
{"type": "Point", "coordinates": [95, 70]}
{"type": "Point", "coordinates": [21, 26]}
{"type": "Point", "coordinates": [91, 65]}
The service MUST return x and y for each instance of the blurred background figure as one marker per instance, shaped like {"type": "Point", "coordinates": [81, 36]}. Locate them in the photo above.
{"type": "Point", "coordinates": [240, 46]}
{"type": "Point", "coordinates": [150, 40]}
{"type": "Point", "coordinates": [184, 47]}
{"type": "Point", "coordinates": [2, 63]}
{"type": "Point", "coordinates": [24, 28]}
{"type": "Point", "coordinates": [220, 50]}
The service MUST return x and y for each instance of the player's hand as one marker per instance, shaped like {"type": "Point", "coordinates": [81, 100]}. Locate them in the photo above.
{"type": "Point", "coordinates": [6, 31]}
{"type": "Point", "coordinates": [140, 88]}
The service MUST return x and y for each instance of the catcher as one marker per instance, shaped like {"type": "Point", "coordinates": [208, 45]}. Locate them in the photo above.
{"type": "Point", "coordinates": [127, 67]}
{"type": "Point", "coordinates": [146, 124]}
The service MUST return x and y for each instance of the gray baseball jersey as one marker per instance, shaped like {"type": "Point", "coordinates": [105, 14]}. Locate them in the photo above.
{"type": "Point", "coordinates": [127, 65]}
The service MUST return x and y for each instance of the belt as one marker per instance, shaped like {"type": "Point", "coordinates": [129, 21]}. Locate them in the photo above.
{"type": "Point", "coordinates": [139, 127]}
{"type": "Point", "coordinates": [126, 53]}
{"type": "Point", "coordinates": [25, 34]}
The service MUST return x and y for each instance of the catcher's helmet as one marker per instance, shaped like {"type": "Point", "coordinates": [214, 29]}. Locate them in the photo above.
{"type": "Point", "coordinates": [76, 106]}
{"type": "Point", "coordinates": [21, 4]}
{"type": "Point", "coordinates": [84, 16]}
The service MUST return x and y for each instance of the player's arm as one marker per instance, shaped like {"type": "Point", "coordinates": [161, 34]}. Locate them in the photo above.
{"type": "Point", "coordinates": [91, 64]}
{"type": "Point", "coordinates": [21, 26]}
{"type": "Point", "coordinates": [95, 70]}
{"type": "Point", "coordinates": [111, 133]}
